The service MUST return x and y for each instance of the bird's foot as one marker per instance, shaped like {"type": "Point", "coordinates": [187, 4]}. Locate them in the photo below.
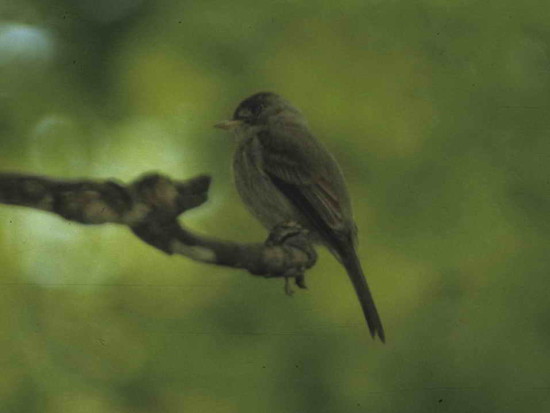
{"type": "Point", "coordinates": [288, 287]}
{"type": "Point", "coordinates": [294, 236]}
{"type": "Point", "coordinates": [301, 281]}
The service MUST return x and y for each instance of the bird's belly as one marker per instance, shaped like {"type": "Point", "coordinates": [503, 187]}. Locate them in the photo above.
{"type": "Point", "coordinates": [261, 197]}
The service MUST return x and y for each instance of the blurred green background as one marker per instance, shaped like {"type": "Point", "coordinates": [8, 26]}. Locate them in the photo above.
{"type": "Point", "coordinates": [438, 111]}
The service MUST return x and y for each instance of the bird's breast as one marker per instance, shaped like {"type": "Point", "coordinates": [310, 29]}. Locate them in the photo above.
{"type": "Point", "coordinates": [256, 189]}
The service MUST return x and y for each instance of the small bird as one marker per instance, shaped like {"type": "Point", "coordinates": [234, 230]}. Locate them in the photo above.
{"type": "Point", "coordinates": [284, 174]}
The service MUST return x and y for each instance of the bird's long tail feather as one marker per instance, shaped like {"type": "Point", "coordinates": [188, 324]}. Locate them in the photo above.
{"type": "Point", "coordinates": [355, 272]}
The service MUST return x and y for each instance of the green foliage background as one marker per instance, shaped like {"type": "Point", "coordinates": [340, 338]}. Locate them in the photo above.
{"type": "Point", "coordinates": [438, 111]}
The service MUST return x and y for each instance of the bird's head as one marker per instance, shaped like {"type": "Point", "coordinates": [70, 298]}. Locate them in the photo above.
{"type": "Point", "coordinates": [262, 109]}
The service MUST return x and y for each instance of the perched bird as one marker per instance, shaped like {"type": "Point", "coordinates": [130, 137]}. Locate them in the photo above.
{"type": "Point", "coordinates": [283, 173]}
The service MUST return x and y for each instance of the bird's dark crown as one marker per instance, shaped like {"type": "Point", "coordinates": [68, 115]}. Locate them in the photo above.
{"type": "Point", "coordinates": [252, 107]}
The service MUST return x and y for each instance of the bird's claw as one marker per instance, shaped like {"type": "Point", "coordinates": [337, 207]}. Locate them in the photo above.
{"type": "Point", "coordinates": [291, 234]}
{"type": "Point", "coordinates": [288, 288]}
{"type": "Point", "coordinates": [301, 281]}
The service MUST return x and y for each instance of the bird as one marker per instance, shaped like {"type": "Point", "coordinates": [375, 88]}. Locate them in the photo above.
{"type": "Point", "coordinates": [283, 173]}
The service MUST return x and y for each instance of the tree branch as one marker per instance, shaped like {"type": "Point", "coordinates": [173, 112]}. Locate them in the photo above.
{"type": "Point", "coordinates": [150, 206]}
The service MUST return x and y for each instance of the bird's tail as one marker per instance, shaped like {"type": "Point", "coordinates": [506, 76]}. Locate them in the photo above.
{"type": "Point", "coordinates": [351, 262]}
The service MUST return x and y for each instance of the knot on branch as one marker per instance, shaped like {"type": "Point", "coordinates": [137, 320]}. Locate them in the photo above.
{"type": "Point", "coordinates": [166, 198]}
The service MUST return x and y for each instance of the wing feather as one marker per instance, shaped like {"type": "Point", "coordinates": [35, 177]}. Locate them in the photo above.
{"type": "Point", "coordinates": [299, 170]}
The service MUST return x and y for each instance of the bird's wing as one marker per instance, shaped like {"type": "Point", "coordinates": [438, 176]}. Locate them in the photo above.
{"type": "Point", "coordinates": [299, 170]}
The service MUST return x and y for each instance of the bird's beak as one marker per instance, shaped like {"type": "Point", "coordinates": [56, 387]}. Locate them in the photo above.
{"type": "Point", "coordinates": [228, 124]}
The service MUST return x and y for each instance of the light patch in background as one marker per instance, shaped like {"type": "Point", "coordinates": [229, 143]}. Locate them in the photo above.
{"type": "Point", "coordinates": [145, 145]}
{"type": "Point", "coordinates": [57, 253]}
{"type": "Point", "coordinates": [23, 45]}
{"type": "Point", "coordinates": [55, 148]}
{"type": "Point", "coordinates": [141, 145]}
